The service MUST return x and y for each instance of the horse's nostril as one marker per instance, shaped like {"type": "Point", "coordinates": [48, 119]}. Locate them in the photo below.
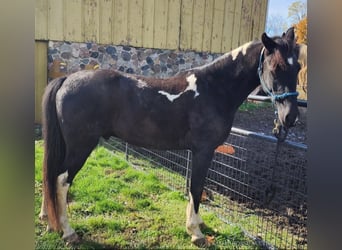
{"type": "Point", "coordinates": [290, 120]}
{"type": "Point", "coordinates": [296, 121]}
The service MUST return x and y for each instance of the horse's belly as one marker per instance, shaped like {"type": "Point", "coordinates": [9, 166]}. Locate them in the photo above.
{"type": "Point", "coordinates": [154, 134]}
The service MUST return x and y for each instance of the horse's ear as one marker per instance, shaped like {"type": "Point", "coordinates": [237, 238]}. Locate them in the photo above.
{"type": "Point", "coordinates": [268, 42]}
{"type": "Point", "coordinates": [290, 34]}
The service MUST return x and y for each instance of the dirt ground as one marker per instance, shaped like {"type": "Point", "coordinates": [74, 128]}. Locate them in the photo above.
{"type": "Point", "coordinates": [261, 120]}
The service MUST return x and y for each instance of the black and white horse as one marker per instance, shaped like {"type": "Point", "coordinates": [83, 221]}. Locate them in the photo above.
{"type": "Point", "coordinates": [192, 110]}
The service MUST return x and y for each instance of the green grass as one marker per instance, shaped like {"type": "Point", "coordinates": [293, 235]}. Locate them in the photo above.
{"type": "Point", "coordinates": [250, 106]}
{"type": "Point", "coordinates": [113, 205]}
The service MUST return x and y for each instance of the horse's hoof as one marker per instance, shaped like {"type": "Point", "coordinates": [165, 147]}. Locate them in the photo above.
{"type": "Point", "coordinates": [71, 239]}
{"type": "Point", "coordinates": [200, 242]}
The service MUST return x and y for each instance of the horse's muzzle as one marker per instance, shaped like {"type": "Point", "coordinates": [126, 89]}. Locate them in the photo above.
{"type": "Point", "coordinates": [290, 120]}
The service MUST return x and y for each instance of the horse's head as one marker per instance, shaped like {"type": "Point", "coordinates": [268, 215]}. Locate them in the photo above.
{"type": "Point", "coordinates": [278, 69]}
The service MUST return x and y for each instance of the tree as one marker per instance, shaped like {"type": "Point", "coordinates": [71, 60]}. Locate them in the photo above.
{"type": "Point", "coordinates": [297, 11]}
{"type": "Point", "coordinates": [301, 29]}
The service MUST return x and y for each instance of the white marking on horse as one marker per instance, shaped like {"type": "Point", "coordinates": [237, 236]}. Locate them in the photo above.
{"type": "Point", "coordinates": [242, 49]}
{"type": "Point", "coordinates": [193, 220]}
{"type": "Point", "coordinates": [191, 79]}
{"type": "Point", "coordinates": [234, 53]}
{"type": "Point", "coordinates": [62, 190]}
{"type": "Point", "coordinates": [192, 86]}
{"type": "Point", "coordinates": [43, 213]}
{"type": "Point", "coordinates": [290, 60]}
{"type": "Point", "coordinates": [141, 84]}
{"type": "Point", "coordinates": [169, 96]}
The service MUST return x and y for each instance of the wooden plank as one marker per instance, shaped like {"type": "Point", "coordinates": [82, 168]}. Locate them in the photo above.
{"type": "Point", "coordinates": [173, 24]}
{"type": "Point", "coordinates": [120, 27]}
{"type": "Point", "coordinates": [135, 21]}
{"type": "Point", "coordinates": [160, 23]}
{"type": "Point", "coordinates": [186, 24]}
{"type": "Point", "coordinates": [73, 29]}
{"type": "Point", "coordinates": [105, 21]}
{"type": "Point", "coordinates": [91, 20]}
{"type": "Point", "coordinates": [148, 21]}
{"type": "Point", "coordinates": [228, 25]}
{"type": "Point", "coordinates": [237, 21]}
{"type": "Point", "coordinates": [41, 20]}
{"type": "Point", "coordinates": [262, 23]}
{"type": "Point", "coordinates": [40, 75]}
{"type": "Point", "coordinates": [216, 40]}
{"type": "Point", "coordinates": [208, 25]}
{"type": "Point", "coordinates": [256, 19]}
{"type": "Point", "coordinates": [55, 20]}
{"type": "Point", "coordinates": [246, 21]}
{"type": "Point", "coordinates": [198, 25]}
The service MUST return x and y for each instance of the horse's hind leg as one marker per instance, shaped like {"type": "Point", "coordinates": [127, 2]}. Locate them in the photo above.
{"type": "Point", "coordinates": [73, 163]}
{"type": "Point", "coordinates": [62, 191]}
{"type": "Point", "coordinates": [200, 164]}
{"type": "Point", "coordinates": [43, 213]}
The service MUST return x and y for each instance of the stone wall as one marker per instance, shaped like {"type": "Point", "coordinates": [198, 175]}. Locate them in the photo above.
{"type": "Point", "coordinates": [66, 57]}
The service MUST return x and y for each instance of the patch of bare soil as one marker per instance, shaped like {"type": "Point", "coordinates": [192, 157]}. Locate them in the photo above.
{"type": "Point", "coordinates": [288, 176]}
{"type": "Point", "coordinates": [261, 119]}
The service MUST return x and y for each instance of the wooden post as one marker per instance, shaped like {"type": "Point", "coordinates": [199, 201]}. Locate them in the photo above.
{"type": "Point", "coordinates": [40, 74]}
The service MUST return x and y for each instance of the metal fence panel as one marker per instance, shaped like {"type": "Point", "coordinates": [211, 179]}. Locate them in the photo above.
{"type": "Point", "coordinates": [259, 187]}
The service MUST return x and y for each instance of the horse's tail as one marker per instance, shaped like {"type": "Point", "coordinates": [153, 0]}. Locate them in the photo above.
{"type": "Point", "coordinates": [54, 150]}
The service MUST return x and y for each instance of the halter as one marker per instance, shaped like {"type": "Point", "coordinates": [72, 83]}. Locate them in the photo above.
{"type": "Point", "coordinates": [277, 130]}
{"type": "Point", "coordinates": [273, 97]}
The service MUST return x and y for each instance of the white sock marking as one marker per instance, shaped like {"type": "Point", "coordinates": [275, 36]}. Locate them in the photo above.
{"type": "Point", "coordinates": [193, 221]}
{"type": "Point", "coordinates": [62, 190]}
{"type": "Point", "coordinates": [191, 79]}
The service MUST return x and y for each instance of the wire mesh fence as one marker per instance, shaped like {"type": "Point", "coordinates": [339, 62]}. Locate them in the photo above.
{"type": "Point", "coordinates": [260, 186]}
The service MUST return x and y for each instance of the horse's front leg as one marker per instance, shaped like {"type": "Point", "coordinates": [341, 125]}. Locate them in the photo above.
{"type": "Point", "coordinates": [200, 163]}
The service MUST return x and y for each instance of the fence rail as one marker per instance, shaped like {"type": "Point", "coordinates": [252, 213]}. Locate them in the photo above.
{"type": "Point", "coordinates": [301, 103]}
{"type": "Point", "coordinates": [258, 187]}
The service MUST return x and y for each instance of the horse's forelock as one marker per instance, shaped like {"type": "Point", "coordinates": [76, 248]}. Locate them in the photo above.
{"type": "Point", "coordinates": [278, 60]}
{"type": "Point", "coordinates": [280, 55]}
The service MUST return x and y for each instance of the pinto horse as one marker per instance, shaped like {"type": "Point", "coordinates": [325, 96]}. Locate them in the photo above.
{"type": "Point", "coordinates": [193, 110]}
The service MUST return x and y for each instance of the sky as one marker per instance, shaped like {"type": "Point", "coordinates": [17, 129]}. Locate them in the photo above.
{"type": "Point", "coordinates": [278, 10]}
{"type": "Point", "coordinates": [279, 7]}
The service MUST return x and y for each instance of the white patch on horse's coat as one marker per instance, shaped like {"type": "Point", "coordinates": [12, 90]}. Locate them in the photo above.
{"type": "Point", "coordinates": [62, 190]}
{"type": "Point", "coordinates": [234, 53]}
{"type": "Point", "coordinates": [141, 84]}
{"type": "Point", "coordinates": [290, 60]}
{"type": "Point", "coordinates": [191, 79]}
{"type": "Point", "coordinates": [242, 49]}
{"type": "Point", "coordinates": [193, 221]}
{"type": "Point", "coordinates": [169, 96]}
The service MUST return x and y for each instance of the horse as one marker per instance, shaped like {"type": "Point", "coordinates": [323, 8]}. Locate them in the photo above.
{"type": "Point", "coordinates": [192, 110]}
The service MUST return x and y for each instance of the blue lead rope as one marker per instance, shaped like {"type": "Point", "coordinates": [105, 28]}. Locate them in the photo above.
{"type": "Point", "coordinates": [273, 97]}
{"type": "Point", "coordinates": [284, 95]}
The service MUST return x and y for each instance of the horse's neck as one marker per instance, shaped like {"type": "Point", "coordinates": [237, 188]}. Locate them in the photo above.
{"type": "Point", "coordinates": [235, 73]}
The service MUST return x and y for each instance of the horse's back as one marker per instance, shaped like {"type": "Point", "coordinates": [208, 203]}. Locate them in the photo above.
{"type": "Point", "coordinates": [109, 103]}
